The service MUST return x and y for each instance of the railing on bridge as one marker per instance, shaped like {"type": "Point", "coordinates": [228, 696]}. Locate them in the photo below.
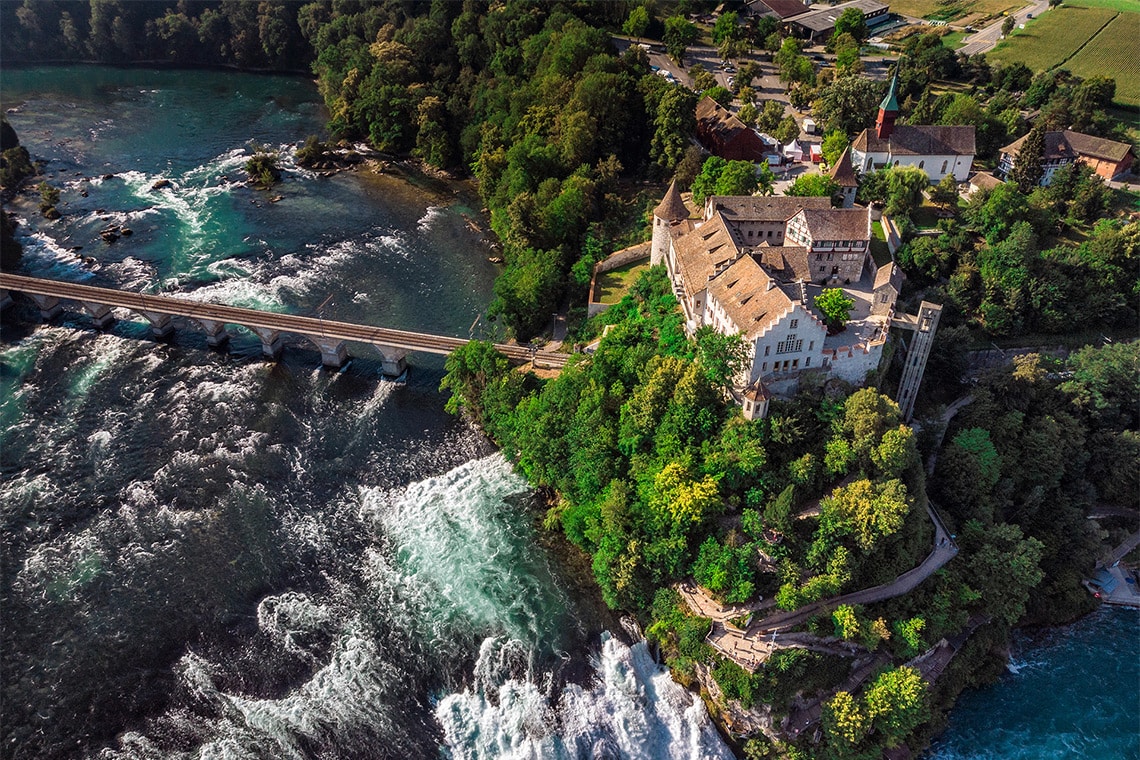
{"type": "Point", "coordinates": [329, 336]}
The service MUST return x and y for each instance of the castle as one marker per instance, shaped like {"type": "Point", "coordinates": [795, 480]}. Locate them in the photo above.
{"type": "Point", "coordinates": [754, 265]}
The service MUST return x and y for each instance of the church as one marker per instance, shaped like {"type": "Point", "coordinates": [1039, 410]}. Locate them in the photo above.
{"type": "Point", "coordinates": [938, 151]}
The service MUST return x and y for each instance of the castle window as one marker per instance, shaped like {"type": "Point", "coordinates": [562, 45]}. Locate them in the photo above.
{"type": "Point", "coordinates": [944, 165]}
{"type": "Point", "coordinates": [749, 233]}
{"type": "Point", "coordinates": [764, 367]}
{"type": "Point", "coordinates": [807, 362]}
{"type": "Point", "coordinates": [795, 363]}
{"type": "Point", "coordinates": [789, 345]}
{"type": "Point", "coordinates": [766, 349]}
{"type": "Point", "coordinates": [811, 346]}
{"type": "Point", "coordinates": [921, 164]}
{"type": "Point", "coordinates": [795, 323]}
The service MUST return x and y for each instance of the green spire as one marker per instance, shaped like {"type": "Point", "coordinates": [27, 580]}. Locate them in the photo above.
{"type": "Point", "coordinates": [891, 101]}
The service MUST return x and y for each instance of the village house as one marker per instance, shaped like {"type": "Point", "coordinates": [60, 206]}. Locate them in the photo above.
{"type": "Point", "coordinates": [754, 265]}
{"type": "Point", "coordinates": [938, 151]}
{"type": "Point", "coordinates": [1107, 158]}
{"type": "Point", "coordinates": [778, 9]}
{"type": "Point", "coordinates": [726, 136]}
{"type": "Point", "coordinates": [819, 21]}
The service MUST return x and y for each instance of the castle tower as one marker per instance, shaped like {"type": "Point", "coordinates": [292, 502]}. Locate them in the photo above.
{"type": "Point", "coordinates": [844, 175]}
{"type": "Point", "coordinates": [888, 109]}
{"type": "Point", "coordinates": [670, 209]}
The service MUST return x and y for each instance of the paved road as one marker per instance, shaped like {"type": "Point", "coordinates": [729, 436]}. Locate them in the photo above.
{"type": "Point", "coordinates": [985, 40]}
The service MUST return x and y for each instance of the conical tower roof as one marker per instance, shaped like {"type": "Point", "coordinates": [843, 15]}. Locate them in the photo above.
{"type": "Point", "coordinates": [843, 172]}
{"type": "Point", "coordinates": [891, 100]}
{"type": "Point", "coordinates": [672, 208]}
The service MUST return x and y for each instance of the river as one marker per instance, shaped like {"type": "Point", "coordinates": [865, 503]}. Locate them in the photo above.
{"type": "Point", "coordinates": [206, 555]}
{"type": "Point", "coordinates": [1069, 693]}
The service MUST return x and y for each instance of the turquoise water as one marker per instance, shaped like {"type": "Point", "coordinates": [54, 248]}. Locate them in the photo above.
{"type": "Point", "coordinates": [207, 555]}
{"type": "Point", "coordinates": [1071, 692]}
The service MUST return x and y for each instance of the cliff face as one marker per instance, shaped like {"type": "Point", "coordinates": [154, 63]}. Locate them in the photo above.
{"type": "Point", "coordinates": [733, 717]}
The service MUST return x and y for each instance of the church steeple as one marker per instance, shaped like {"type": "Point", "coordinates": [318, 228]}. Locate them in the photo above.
{"type": "Point", "coordinates": [888, 109]}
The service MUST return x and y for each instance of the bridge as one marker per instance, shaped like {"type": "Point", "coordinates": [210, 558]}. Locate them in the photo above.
{"type": "Point", "coordinates": [329, 336]}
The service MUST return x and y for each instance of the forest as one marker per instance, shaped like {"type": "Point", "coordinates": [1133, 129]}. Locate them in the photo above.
{"type": "Point", "coordinates": [648, 468]}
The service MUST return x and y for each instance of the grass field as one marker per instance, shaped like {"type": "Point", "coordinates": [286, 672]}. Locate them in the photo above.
{"type": "Point", "coordinates": [1049, 40]}
{"type": "Point", "coordinates": [1115, 52]}
{"type": "Point", "coordinates": [614, 284]}
{"type": "Point", "coordinates": [1115, 5]}
{"type": "Point", "coordinates": [955, 9]}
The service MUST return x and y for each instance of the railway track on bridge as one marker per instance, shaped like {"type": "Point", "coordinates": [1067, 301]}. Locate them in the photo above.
{"type": "Point", "coordinates": [328, 335]}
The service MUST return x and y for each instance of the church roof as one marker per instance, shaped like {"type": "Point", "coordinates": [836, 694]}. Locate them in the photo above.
{"type": "Point", "coordinates": [843, 173]}
{"type": "Point", "coordinates": [672, 208]}
{"type": "Point", "coordinates": [918, 140]}
{"type": "Point", "coordinates": [891, 99]}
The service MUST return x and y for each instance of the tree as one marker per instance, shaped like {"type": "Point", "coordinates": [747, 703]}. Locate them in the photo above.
{"type": "Point", "coordinates": [262, 167]}
{"type": "Point", "coordinates": [848, 104]}
{"type": "Point", "coordinates": [1007, 26]}
{"type": "Point", "coordinates": [896, 704]}
{"type": "Point", "coordinates": [770, 116]}
{"type": "Point", "coordinates": [723, 358]}
{"type": "Point", "coordinates": [748, 114]}
{"type": "Point", "coordinates": [905, 185]}
{"type": "Point", "coordinates": [794, 67]}
{"type": "Point", "coordinates": [852, 22]}
{"type": "Point", "coordinates": [1027, 169]}
{"type": "Point", "coordinates": [679, 34]}
{"type": "Point", "coordinates": [836, 307]}
{"type": "Point", "coordinates": [819, 185]}
{"type": "Point", "coordinates": [788, 130]}
{"type": "Point", "coordinates": [727, 28]}
{"type": "Point", "coordinates": [637, 22]}
{"type": "Point", "coordinates": [945, 193]}
{"type": "Point", "coordinates": [674, 124]}
{"type": "Point", "coordinates": [845, 725]}
{"type": "Point", "coordinates": [834, 143]}
{"type": "Point", "coordinates": [701, 77]}
{"type": "Point", "coordinates": [469, 370]}
{"type": "Point", "coordinates": [721, 95]}
{"type": "Point", "coordinates": [867, 511]}
{"type": "Point", "coordinates": [1002, 566]}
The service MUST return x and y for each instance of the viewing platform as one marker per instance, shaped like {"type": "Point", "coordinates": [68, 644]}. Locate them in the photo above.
{"type": "Point", "coordinates": [329, 336]}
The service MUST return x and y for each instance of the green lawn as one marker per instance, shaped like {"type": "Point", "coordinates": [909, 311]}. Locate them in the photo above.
{"type": "Point", "coordinates": [1051, 39]}
{"type": "Point", "coordinates": [1115, 53]}
{"type": "Point", "coordinates": [925, 217]}
{"type": "Point", "coordinates": [953, 41]}
{"type": "Point", "coordinates": [1115, 5]}
{"type": "Point", "coordinates": [879, 250]}
{"type": "Point", "coordinates": [612, 285]}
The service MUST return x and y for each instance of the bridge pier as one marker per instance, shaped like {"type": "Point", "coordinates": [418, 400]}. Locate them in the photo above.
{"type": "Point", "coordinates": [50, 306]}
{"type": "Point", "coordinates": [393, 361]}
{"type": "Point", "coordinates": [5, 299]}
{"type": "Point", "coordinates": [216, 335]}
{"type": "Point", "coordinates": [100, 314]}
{"type": "Point", "coordinates": [270, 341]}
{"type": "Point", "coordinates": [333, 352]}
{"type": "Point", "coordinates": [161, 326]}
